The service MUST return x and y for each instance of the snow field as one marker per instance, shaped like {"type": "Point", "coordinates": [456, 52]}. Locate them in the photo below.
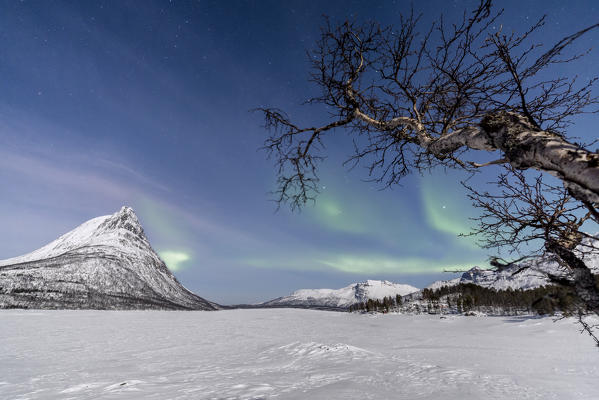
{"type": "Point", "coordinates": [291, 354]}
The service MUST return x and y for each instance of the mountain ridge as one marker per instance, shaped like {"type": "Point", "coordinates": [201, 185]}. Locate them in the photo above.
{"type": "Point", "coordinates": [104, 263]}
{"type": "Point", "coordinates": [343, 297]}
{"type": "Point", "coordinates": [514, 277]}
{"type": "Point", "coordinates": [529, 274]}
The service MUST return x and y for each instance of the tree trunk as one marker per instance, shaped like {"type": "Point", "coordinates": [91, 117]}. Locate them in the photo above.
{"type": "Point", "coordinates": [583, 281]}
{"type": "Point", "coordinates": [526, 147]}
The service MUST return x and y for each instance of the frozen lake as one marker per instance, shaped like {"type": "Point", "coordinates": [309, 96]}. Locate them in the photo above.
{"type": "Point", "coordinates": [290, 354]}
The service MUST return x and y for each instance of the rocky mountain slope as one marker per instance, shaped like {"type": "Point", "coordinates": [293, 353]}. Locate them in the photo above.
{"type": "Point", "coordinates": [106, 263]}
{"type": "Point", "coordinates": [341, 298]}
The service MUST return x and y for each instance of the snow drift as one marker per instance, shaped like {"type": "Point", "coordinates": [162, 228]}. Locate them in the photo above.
{"type": "Point", "coordinates": [289, 354]}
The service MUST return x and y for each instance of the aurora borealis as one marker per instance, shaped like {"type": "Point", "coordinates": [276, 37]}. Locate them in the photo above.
{"type": "Point", "coordinates": [147, 104]}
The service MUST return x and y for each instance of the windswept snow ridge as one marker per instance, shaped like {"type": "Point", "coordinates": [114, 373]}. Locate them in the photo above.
{"type": "Point", "coordinates": [105, 263]}
{"type": "Point", "coordinates": [344, 297]}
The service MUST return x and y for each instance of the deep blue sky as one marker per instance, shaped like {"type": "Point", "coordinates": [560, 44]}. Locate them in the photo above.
{"type": "Point", "coordinates": [146, 103]}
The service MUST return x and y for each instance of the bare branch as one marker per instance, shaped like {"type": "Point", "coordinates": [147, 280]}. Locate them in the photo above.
{"type": "Point", "coordinates": [417, 97]}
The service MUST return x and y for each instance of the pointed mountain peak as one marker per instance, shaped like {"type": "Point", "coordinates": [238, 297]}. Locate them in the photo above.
{"type": "Point", "coordinates": [125, 218]}
{"type": "Point", "coordinates": [106, 262]}
{"type": "Point", "coordinates": [374, 282]}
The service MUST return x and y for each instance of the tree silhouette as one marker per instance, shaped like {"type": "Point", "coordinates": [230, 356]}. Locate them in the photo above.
{"type": "Point", "coordinates": [414, 97]}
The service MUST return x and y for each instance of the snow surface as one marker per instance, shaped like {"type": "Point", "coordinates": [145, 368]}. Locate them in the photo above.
{"type": "Point", "coordinates": [439, 284]}
{"type": "Point", "coordinates": [344, 297]}
{"type": "Point", "coordinates": [291, 354]}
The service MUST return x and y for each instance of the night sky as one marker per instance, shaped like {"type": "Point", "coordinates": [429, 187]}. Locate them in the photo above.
{"type": "Point", "coordinates": [147, 104]}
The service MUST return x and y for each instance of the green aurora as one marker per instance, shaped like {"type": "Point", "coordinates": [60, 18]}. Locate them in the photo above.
{"type": "Point", "coordinates": [420, 240]}
{"type": "Point", "coordinates": [391, 237]}
{"type": "Point", "coordinates": [174, 260]}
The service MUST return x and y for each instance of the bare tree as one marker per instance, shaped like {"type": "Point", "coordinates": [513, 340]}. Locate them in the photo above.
{"type": "Point", "coordinates": [415, 98]}
{"type": "Point", "coordinates": [531, 217]}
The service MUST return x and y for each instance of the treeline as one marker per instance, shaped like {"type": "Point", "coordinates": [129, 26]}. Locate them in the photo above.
{"type": "Point", "coordinates": [384, 305]}
{"type": "Point", "coordinates": [466, 297]}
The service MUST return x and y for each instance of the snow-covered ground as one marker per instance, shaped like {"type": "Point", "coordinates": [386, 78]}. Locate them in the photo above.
{"type": "Point", "coordinates": [290, 354]}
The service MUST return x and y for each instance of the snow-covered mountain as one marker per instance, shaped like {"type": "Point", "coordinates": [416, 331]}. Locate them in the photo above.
{"type": "Point", "coordinates": [529, 274]}
{"type": "Point", "coordinates": [105, 263]}
{"type": "Point", "coordinates": [344, 297]}
{"type": "Point", "coordinates": [499, 280]}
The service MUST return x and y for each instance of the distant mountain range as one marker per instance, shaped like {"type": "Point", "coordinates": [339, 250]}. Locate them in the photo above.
{"type": "Point", "coordinates": [106, 263]}
{"type": "Point", "coordinates": [501, 280]}
{"type": "Point", "coordinates": [514, 277]}
{"type": "Point", "coordinates": [529, 274]}
{"type": "Point", "coordinates": [341, 298]}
